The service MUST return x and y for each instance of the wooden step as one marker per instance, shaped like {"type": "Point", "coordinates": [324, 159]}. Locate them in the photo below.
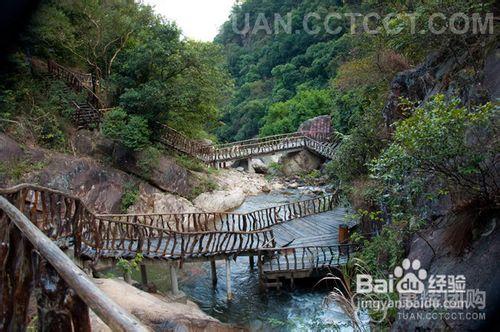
{"type": "Point", "coordinates": [273, 284]}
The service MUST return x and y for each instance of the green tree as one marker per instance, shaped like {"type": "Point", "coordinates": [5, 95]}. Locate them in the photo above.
{"type": "Point", "coordinates": [285, 117]}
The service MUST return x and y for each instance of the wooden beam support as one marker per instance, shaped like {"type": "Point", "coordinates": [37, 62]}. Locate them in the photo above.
{"type": "Point", "coordinates": [228, 280]}
{"type": "Point", "coordinates": [213, 270]}
{"type": "Point", "coordinates": [109, 311]}
{"type": "Point", "coordinates": [252, 262]}
{"type": "Point", "coordinates": [144, 275]}
{"type": "Point", "coordinates": [174, 283]}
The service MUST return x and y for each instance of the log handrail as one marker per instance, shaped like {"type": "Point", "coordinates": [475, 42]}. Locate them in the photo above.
{"type": "Point", "coordinates": [110, 312]}
{"type": "Point", "coordinates": [65, 218]}
{"type": "Point", "coordinates": [74, 80]}
{"type": "Point", "coordinates": [304, 257]}
{"type": "Point", "coordinates": [319, 142]}
{"type": "Point", "coordinates": [233, 221]}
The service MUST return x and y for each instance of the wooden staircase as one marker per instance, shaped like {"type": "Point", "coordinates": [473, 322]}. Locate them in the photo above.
{"type": "Point", "coordinates": [86, 115]}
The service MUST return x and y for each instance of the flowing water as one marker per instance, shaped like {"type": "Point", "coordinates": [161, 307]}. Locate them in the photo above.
{"type": "Point", "coordinates": [299, 310]}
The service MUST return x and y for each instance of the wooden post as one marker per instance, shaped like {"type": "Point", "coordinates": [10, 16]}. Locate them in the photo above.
{"type": "Point", "coordinates": [213, 269]}
{"type": "Point", "coordinates": [343, 234]}
{"type": "Point", "coordinates": [110, 312]}
{"type": "Point", "coordinates": [252, 263]}
{"type": "Point", "coordinates": [173, 279]}
{"type": "Point", "coordinates": [144, 275]}
{"type": "Point", "coordinates": [343, 238]}
{"type": "Point", "coordinates": [228, 279]}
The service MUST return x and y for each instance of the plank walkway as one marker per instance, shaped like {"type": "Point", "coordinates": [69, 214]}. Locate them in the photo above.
{"type": "Point", "coordinates": [293, 233]}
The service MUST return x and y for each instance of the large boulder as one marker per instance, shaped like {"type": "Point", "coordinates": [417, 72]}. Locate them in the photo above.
{"type": "Point", "coordinates": [299, 162]}
{"type": "Point", "coordinates": [492, 75]}
{"type": "Point", "coordinates": [10, 150]}
{"type": "Point", "coordinates": [220, 201]}
{"type": "Point", "coordinates": [459, 246]}
{"type": "Point", "coordinates": [320, 124]}
{"type": "Point", "coordinates": [259, 166]}
{"type": "Point", "coordinates": [101, 187]}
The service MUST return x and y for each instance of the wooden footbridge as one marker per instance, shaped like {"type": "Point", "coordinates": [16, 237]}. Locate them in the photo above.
{"type": "Point", "coordinates": [275, 235]}
{"type": "Point", "coordinates": [320, 143]}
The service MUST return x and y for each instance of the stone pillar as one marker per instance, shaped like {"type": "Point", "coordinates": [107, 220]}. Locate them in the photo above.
{"type": "Point", "coordinates": [249, 165]}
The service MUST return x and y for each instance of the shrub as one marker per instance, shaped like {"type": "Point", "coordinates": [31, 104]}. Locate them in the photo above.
{"type": "Point", "coordinates": [441, 142]}
{"type": "Point", "coordinates": [190, 163]}
{"type": "Point", "coordinates": [131, 130]}
{"type": "Point", "coordinates": [149, 159]}
{"type": "Point", "coordinates": [129, 196]}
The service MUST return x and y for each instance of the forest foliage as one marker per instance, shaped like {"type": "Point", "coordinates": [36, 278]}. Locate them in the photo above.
{"type": "Point", "coordinates": [141, 63]}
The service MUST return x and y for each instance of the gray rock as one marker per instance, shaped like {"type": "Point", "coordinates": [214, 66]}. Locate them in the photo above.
{"type": "Point", "coordinates": [300, 162]}
{"type": "Point", "coordinates": [219, 201]}
{"type": "Point", "coordinates": [10, 150]}
{"type": "Point", "coordinates": [259, 166]}
{"type": "Point", "coordinates": [166, 175]}
{"type": "Point", "coordinates": [478, 263]}
{"type": "Point", "coordinates": [266, 189]}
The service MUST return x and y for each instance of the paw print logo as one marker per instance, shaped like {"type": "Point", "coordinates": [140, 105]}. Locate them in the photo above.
{"type": "Point", "coordinates": [410, 282]}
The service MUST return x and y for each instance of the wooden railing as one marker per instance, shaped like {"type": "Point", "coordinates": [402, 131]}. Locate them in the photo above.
{"type": "Point", "coordinates": [107, 238]}
{"type": "Point", "coordinates": [228, 221]}
{"type": "Point", "coordinates": [30, 260]}
{"type": "Point", "coordinates": [321, 143]}
{"type": "Point", "coordinates": [305, 258]}
{"type": "Point", "coordinates": [87, 117]}
{"type": "Point", "coordinates": [68, 222]}
{"type": "Point", "coordinates": [77, 81]}
{"type": "Point", "coordinates": [182, 143]}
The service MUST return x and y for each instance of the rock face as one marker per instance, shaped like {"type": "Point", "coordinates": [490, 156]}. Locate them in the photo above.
{"type": "Point", "coordinates": [492, 75]}
{"type": "Point", "coordinates": [99, 185]}
{"type": "Point", "coordinates": [166, 174]}
{"type": "Point", "coordinates": [299, 162]}
{"type": "Point", "coordinates": [10, 150]}
{"type": "Point", "coordinates": [478, 262]}
{"type": "Point", "coordinates": [443, 72]}
{"type": "Point", "coordinates": [219, 201]}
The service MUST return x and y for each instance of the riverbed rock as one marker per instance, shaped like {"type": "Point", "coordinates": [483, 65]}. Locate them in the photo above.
{"type": "Point", "coordinates": [157, 312]}
{"type": "Point", "coordinates": [299, 163]}
{"type": "Point", "coordinates": [259, 166]}
{"type": "Point", "coordinates": [219, 201]}
{"type": "Point", "coordinates": [160, 202]}
{"type": "Point", "coordinates": [250, 183]}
